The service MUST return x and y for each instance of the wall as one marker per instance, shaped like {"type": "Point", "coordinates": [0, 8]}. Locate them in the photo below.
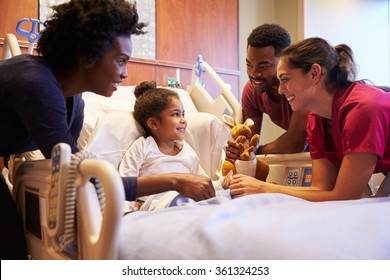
{"type": "Point", "coordinates": [252, 13]}
{"type": "Point", "coordinates": [187, 28]}
{"type": "Point", "coordinates": [11, 11]}
{"type": "Point", "coordinates": [184, 29]}
{"type": "Point", "coordinates": [363, 24]}
{"type": "Point", "coordinates": [338, 21]}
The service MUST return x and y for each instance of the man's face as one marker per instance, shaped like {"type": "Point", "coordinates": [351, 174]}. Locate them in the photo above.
{"type": "Point", "coordinates": [261, 66]}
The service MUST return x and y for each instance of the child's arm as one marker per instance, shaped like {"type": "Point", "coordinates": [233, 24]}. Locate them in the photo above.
{"type": "Point", "coordinates": [227, 179]}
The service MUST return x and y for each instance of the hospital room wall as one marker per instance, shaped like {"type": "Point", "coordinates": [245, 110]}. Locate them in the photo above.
{"type": "Point", "coordinates": [11, 11]}
{"type": "Point", "coordinates": [192, 31]}
{"type": "Point", "coordinates": [184, 29]}
{"type": "Point", "coordinates": [362, 24]}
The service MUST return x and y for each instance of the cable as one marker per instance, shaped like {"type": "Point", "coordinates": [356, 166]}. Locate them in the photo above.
{"type": "Point", "coordinates": [70, 199]}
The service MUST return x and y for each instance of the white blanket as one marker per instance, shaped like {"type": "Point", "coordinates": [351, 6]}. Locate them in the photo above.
{"type": "Point", "coordinates": [263, 226]}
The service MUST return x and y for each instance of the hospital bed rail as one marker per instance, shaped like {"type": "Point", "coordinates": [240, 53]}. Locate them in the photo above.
{"type": "Point", "coordinates": [96, 229]}
{"type": "Point", "coordinates": [203, 101]}
{"type": "Point", "coordinates": [11, 46]}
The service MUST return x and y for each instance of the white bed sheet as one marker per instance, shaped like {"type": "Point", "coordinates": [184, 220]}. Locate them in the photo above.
{"type": "Point", "coordinates": [263, 226]}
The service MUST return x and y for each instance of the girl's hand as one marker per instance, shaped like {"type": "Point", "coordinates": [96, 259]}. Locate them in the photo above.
{"type": "Point", "coordinates": [226, 181]}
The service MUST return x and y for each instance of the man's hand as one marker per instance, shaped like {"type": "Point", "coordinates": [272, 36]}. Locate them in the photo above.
{"type": "Point", "coordinates": [232, 151]}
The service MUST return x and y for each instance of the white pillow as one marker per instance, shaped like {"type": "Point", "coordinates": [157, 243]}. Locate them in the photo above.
{"type": "Point", "coordinates": [123, 100]}
{"type": "Point", "coordinates": [96, 105]}
{"type": "Point", "coordinates": [112, 135]}
{"type": "Point", "coordinates": [207, 135]}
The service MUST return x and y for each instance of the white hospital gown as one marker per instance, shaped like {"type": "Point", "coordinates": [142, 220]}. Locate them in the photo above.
{"type": "Point", "coordinates": [144, 158]}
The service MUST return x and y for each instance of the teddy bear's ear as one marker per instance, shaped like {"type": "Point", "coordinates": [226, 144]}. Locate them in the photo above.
{"type": "Point", "coordinates": [228, 120]}
{"type": "Point", "coordinates": [249, 122]}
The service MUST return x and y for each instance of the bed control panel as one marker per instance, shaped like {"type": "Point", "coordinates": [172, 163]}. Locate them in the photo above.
{"type": "Point", "coordinates": [298, 176]}
{"type": "Point", "coordinates": [61, 155]}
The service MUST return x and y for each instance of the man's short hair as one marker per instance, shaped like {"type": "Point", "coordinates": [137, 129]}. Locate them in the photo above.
{"type": "Point", "coordinates": [267, 35]}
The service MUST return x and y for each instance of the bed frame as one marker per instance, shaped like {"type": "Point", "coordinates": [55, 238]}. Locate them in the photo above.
{"type": "Point", "coordinates": [11, 46]}
{"type": "Point", "coordinates": [226, 102]}
{"type": "Point", "coordinates": [96, 230]}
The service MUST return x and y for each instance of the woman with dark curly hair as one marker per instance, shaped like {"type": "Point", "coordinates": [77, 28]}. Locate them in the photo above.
{"type": "Point", "coordinates": [85, 47]}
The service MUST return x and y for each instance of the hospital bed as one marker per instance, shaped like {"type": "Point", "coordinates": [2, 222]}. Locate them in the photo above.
{"type": "Point", "coordinates": [262, 226]}
{"type": "Point", "coordinates": [64, 215]}
{"type": "Point", "coordinates": [11, 46]}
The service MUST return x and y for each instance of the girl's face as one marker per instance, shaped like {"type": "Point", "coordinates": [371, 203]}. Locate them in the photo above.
{"type": "Point", "coordinates": [172, 124]}
{"type": "Point", "coordinates": [105, 75]}
{"type": "Point", "coordinates": [295, 85]}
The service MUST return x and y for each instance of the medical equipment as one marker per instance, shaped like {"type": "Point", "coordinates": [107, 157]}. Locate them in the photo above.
{"type": "Point", "coordinates": [48, 206]}
{"type": "Point", "coordinates": [11, 46]}
{"type": "Point", "coordinates": [33, 35]}
{"type": "Point", "coordinates": [289, 169]}
{"type": "Point", "coordinates": [226, 101]}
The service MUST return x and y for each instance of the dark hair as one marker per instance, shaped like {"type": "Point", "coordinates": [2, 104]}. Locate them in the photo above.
{"type": "Point", "coordinates": [150, 102]}
{"type": "Point", "coordinates": [86, 29]}
{"type": "Point", "coordinates": [267, 35]}
{"type": "Point", "coordinates": [338, 62]}
{"type": "Point", "coordinates": [367, 81]}
{"type": "Point", "coordinates": [384, 88]}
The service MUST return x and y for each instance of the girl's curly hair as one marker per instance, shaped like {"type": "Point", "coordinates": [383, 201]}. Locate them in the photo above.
{"type": "Point", "coordinates": [150, 102]}
{"type": "Point", "coordinates": [86, 29]}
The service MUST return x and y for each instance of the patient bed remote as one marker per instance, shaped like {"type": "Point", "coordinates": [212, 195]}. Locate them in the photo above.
{"type": "Point", "coordinates": [60, 156]}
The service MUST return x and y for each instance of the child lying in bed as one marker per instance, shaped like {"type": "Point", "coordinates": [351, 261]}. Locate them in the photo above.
{"type": "Point", "coordinates": [163, 148]}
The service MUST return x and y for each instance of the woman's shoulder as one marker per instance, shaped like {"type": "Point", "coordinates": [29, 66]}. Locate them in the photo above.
{"type": "Point", "coordinates": [26, 62]}
{"type": "Point", "coordinates": [361, 100]}
{"type": "Point", "coordinates": [32, 70]}
{"type": "Point", "coordinates": [358, 93]}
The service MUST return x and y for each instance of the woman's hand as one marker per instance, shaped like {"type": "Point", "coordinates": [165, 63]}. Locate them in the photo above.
{"type": "Point", "coordinates": [232, 151]}
{"type": "Point", "coordinates": [194, 186]}
{"type": "Point", "coordinates": [241, 185]}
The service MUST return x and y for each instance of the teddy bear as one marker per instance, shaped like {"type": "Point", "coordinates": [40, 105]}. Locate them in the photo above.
{"type": "Point", "coordinates": [247, 163]}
